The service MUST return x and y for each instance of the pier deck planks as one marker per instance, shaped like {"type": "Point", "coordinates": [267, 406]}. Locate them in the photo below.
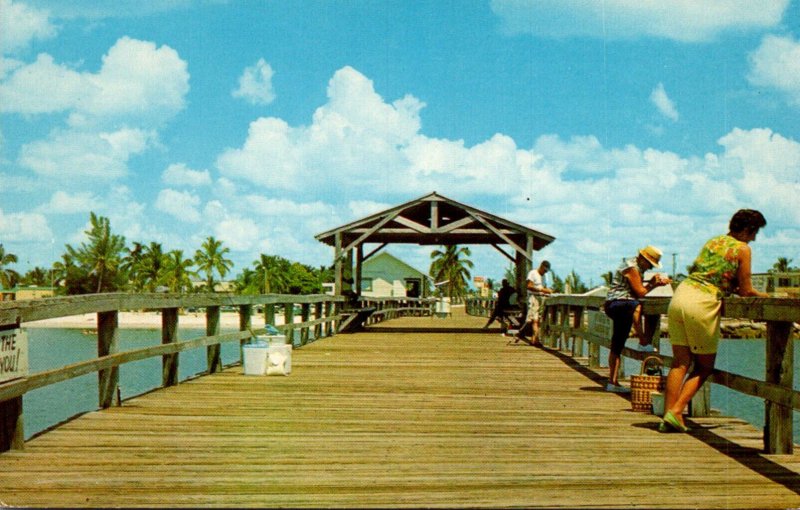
{"type": "Point", "coordinates": [390, 418]}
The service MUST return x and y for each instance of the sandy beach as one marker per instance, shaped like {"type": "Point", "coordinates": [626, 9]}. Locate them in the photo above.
{"type": "Point", "coordinates": [147, 320]}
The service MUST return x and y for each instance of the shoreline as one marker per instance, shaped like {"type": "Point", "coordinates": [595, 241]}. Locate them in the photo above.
{"type": "Point", "coordinates": [147, 320]}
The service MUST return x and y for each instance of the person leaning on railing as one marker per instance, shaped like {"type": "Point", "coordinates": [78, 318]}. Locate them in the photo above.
{"type": "Point", "coordinates": [624, 309]}
{"type": "Point", "coordinates": [721, 268]}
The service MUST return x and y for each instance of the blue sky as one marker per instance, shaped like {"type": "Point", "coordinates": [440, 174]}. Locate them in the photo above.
{"type": "Point", "coordinates": [608, 124]}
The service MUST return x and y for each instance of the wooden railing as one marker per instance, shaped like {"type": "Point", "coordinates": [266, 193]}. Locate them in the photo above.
{"type": "Point", "coordinates": [565, 318]}
{"type": "Point", "coordinates": [390, 308]}
{"type": "Point", "coordinates": [14, 314]}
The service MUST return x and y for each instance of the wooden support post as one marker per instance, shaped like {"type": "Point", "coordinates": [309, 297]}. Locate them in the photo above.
{"type": "Point", "coordinates": [269, 314]}
{"type": "Point", "coordinates": [169, 334]}
{"type": "Point", "coordinates": [107, 343]}
{"type": "Point", "coordinates": [305, 314]}
{"type": "Point", "coordinates": [317, 316]}
{"type": "Point", "coordinates": [778, 435]}
{"type": "Point", "coordinates": [329, 311]}
{"type": "Point", "coordinates": [12, 428]}
{"type": "Point", "coordinates": [288, 315]}
{"type": "Point", "coordinates": [213, 357]}
{"type": "Point", "coordinates": [652, 330]}
{"type": "Point", "coordinates": [245, 324]}
{"type": "Point", "coordinates": [577, 338]}
{"type": "Point", "coordinates": [564, 324]}
{"type": "Point", "coordinates": [700, 404]}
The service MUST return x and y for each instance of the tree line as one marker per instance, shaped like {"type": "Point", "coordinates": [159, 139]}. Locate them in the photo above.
{"type": "Point", "coordinates": [104, 262]}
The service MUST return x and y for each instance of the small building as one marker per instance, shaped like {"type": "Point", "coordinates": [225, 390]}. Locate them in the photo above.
{"type": "Point", "coordinates": [29, 292]}
{"type": "Point", "coordinates": [384, 275]}
{"type": "Point", "coordinates": [787, 284]}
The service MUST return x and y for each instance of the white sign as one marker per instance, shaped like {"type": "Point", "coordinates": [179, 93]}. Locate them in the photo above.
{"type": "Point", "coordinates": [13, 354]}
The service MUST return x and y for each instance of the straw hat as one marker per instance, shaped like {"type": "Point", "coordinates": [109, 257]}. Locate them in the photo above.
{"type": "Point", "coordinates": [652, 254]}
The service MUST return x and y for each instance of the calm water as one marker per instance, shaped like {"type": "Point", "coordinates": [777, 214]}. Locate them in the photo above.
{"type": "Point", "coordinates": [52, 348]}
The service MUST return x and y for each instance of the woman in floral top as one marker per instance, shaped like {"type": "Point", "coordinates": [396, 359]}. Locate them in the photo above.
{"type": "Point", "coordinates": [721, 268]}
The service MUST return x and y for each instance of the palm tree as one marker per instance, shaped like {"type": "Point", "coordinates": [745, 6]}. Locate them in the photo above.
{"type": "Point", "coordinates": [151, 266]}
{"type": "Point", "coordinates": [781, 265]}
{"type": "Point", "coordinates": [36, 276]}
{"type": "Point", "coordinates": [8, 277]}
{"type": "Point", "coordinates": [449, 265]}
{"type": "Point", "coordinates": [210, 258]}
{"type": "Point", "coordinates": [273, 273]}
{"type": "Point", "coordinates": [177, 272]}
{"type": "Point", "coordinates": [101, 254]}
{"type": "Point", "coordinates": [131, 264]}
{"type": "Point", "coordinates": [608, 277]}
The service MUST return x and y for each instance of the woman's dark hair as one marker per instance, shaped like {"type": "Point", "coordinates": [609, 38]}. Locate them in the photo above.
{"type": "Point", "coordinates": [747, 219]}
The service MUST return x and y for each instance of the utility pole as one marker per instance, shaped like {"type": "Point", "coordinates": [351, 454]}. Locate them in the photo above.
{"type": "Point", "coordinates": [673, 265]}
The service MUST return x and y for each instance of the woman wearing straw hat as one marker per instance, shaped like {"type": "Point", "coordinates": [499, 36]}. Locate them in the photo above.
{"type": "Point", "coordinates": [721, 268]}
{"type": "Point", "coordinates": [622, 306]}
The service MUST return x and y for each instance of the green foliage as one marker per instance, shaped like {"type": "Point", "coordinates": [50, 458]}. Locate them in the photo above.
{"type": "Point", "coordinates": [558, 283]}
{"type": "Point", "coordinates": [95, 266]}
{"type": "Point", "coordinates": [782, 265]}
{"type": "Point", "coordinates": [211, 258]}
{"type": "Point", "coordinates": [38, 276]}
{"type": "Point", "coordinates": [8, 277]}
{"type": "Point", "coordinates": [576, 286]}
{"type": "Point", "coordinates": [176, 272]}
{"type": "Point", "coordinates": [452, 264]}
{"type": "Point", "coordinates": [273, 274]}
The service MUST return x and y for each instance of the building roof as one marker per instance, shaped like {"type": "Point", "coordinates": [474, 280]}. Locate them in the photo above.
{"type": "Point", "coordinates": [386, 254]}
{"type": "Point", "coordinates": [435, 220]}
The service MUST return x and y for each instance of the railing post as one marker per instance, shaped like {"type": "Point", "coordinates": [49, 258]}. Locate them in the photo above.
{"type": "Point", "coordinates": [577, 338]}
{"type": "Point", "coordinates": [212, 329]}
{"type": "Point", "coordinates": [12, 428]}
{"type": "Point", "coordinates": [169, 334]}
{"type": "Point", "coordinates": [317, 316]}
{"type": "Point", "coordinates": [107, 343]}
{"type": "Point", "coordinates": [269, 314]}
{"type": "Point", "coordinates": [563, 336]}
{"type": "Point", "coordinates": [288, 318]}
{"type": "Point", "coordinates": [778, 435]}
{"type": "Point", "coordinates": [329, 311]}
{"type": "Point", "coordinates": [305, 313]}
{"type": "Point", "coordinates": [245, 324]}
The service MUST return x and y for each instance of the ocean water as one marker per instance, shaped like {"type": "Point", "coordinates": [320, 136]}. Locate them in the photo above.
{"type": "Point", "coordinates": [53, 348]}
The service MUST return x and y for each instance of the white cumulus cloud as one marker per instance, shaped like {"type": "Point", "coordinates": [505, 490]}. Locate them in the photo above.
{"type": "Point", "coordinates": [20, 24]}
{"type": "Point", "coordinates": [138, 83]}
{"type": "Point", "coordinates": [182, 205]}
{"type": "Point", "coordinates": [69, 155]}
{"type": "Point", "coordinates": [178, 174]}
{"type": "Point", "coordinates": [62, 202]}
{"type": "Point", "coordinates": [24, 226]}
{"type": "Point", "coordinates": [255, 84]}
{"type": "Point", "coordinates": [680, 20]}
{"type": "Point", "coordinates": [776, 64]}
{"type": "Point", "coordinates": [664, 104]}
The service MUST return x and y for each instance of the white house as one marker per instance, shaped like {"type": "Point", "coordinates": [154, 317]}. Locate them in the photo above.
{"type": "Point", "coordinates": [384, 275]}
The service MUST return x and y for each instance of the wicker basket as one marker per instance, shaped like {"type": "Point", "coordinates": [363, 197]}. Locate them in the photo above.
{"type": "Point", "coordinates": [643, 385]}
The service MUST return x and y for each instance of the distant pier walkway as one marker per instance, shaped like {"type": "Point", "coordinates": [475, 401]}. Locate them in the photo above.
{"type": "Point", "coordinates": [416, 411]}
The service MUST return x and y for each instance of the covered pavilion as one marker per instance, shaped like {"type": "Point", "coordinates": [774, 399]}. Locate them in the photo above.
{"type": "Point", "coordinates": [429, 220]}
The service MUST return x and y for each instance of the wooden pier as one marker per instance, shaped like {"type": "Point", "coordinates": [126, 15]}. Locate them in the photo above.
{"type": "Point", "coordinates": [416, 411]}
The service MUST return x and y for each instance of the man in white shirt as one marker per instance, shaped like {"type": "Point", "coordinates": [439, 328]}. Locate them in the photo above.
{"type": "Point", "coordinates": [536, 293]}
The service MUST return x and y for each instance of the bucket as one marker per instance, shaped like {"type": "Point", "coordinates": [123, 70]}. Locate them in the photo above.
{"type": "Point", "coordinates": [255, 358]}
{"type": "Point", "coordinates": [658, 403]}
{"type": "Point", "coordinates": [279, 359]}
{"type": "Point", "coordinates": [276, 340]}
